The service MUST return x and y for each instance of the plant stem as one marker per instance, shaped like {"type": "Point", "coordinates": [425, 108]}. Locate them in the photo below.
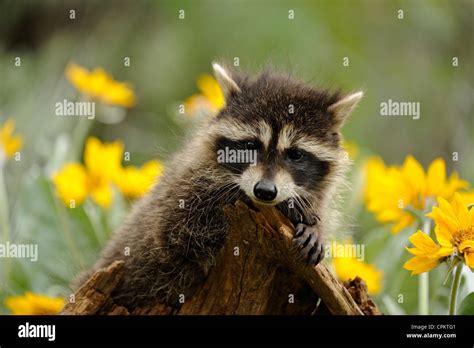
{"type": "Point", "coordinates": [4, 214]}
{"type": "Point", "coordinates": [4, 220]}
{"type": "Point", "coordinates": [94, 213]}
{"type": "Point", "coordinates": [80, 132]}
{"type": "Point", "coordinates": [423, 294]}
{"type": "Point", "coordinates": [64, 227]}
{"type": "Point", "coordinates": [424, 280]}
{"type": "Point", "coordinates": [455, 288]}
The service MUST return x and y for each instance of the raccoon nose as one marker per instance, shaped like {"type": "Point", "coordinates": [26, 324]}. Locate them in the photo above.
{"type": "Point", "coordinates": [265, 190]}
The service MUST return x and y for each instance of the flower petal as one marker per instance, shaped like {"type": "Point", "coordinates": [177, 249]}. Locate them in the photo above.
{"type": "Point", "coordinates": [415, 251]}
{"type": "Point", "coordinates": [467, 244]}
{"type": "Point", "coordinates": [443, 236]}
{"type": "Point", "coordinates": [103, 160]}
{"type": "Point", "coordinates": [444, 252]}
{"type": "Point", "coordinates": [446, 208]}
{"type": "Point", "coordinates": [469, 258]}
{"type": "Point", "coordinates": [448, 223]}
{"type": "Point", "coordinates": [9, 143]}
{"type": "Point", "coordinates": [414, 174]}
{"type": "Point", "coordinates": [98, 83]}
{"type": "Point", "coordinates": [211, 89]}
{"type": "Point", "coordinates": [453, 184]}
{"type": "Point", "coordinates": [462, 212]}
{"type": "Point", "coordinates": [436, 177]}
{"type": "Point", "coordinates": [419, 264]}
{"type": "Point", "coordinates": [349, 267]}
{"type": "Point", "coordinates": [34, 304]}
{"type": "Point", "coordinates": [102, 195]}
{"type": "Point", "coordinates": [71, 184]}
{"type": "Point", "coordinates": [423, 242]}
{"type": "Point", "coordinates": [134, 182]}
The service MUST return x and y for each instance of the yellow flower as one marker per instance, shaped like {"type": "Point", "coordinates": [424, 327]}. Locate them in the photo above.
{"type": "Point", "coordinates": [467, 197]}
{"type": "Point", "coordinates": [349, 267]}
{"type": "Point", "coordinates": [99, 84]}
{"type": "Point", "coordinates": [72, 183]}
{"type": "Point", "coordinates": [102, 169]}
{"type": "Point", "coordinates": [134, 182]}
{"type": "Point", "coordinates": [454, 233]}
{"type": "Point", "coordinates": [426, 251]}
{"type": "Point", "coordinates": [390, 190]}
{"type": "Point", "coordinates": [34, 304]}
{"type": "Point", "coordinates": [9, 143]}
{"type": "Point", "coordinates": [385, 194]}
{"type": "Point", "coordinates": [102, 165]}
{"type": "Point", "coordinates": [210, 99]}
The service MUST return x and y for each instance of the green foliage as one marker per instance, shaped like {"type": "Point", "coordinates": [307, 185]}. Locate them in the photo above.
{"type": "Point", "coordinates": [467, 305]}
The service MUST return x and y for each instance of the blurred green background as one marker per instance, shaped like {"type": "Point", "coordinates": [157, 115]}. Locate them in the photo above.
{"type": "Point", "coordinates": [407, 59]}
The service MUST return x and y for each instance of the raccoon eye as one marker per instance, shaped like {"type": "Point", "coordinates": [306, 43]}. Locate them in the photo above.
{"type": "Point", "coordinates": [295, 155]}
{"type": "Point", "coordinates": [251, 145]}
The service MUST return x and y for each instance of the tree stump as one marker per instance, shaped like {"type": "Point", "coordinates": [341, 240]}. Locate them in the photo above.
{"type": "Point", "coordinates": [258, 272]}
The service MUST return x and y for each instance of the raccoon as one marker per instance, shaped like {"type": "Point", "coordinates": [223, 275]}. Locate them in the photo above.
{"type": "Point", "coordinates": [173, 235]}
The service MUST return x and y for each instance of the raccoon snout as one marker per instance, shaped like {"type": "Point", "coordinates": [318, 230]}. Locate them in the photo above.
{"type": "Point", "coordinates": [265, 190]}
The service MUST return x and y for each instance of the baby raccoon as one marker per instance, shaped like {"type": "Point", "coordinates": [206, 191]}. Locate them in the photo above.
{"type": "Point", "coordinates": [174, 234]}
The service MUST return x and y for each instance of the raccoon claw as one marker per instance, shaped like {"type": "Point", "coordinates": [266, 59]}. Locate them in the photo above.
{"type": "Point", "coordinates": [308, 240]}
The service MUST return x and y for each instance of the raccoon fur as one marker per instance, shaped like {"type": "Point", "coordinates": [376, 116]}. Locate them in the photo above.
{"type": "Point", "coordinates": [173, 235]}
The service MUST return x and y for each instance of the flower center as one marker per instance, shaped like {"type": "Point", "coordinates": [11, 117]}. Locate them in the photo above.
{"type": "Point", "coordinates": [95, 181]}
{"type": "Point", "coordinates": [463, 235]}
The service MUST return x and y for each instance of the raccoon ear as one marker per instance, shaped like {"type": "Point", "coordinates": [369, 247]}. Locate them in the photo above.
{"type": "Point", "coordinates": [225, 80]}
{"type": "Point", "coordinates": [343, 108]}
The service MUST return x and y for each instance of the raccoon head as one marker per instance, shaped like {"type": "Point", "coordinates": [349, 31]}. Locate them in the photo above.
{"type": "Point", "coordinates": [278, 138]}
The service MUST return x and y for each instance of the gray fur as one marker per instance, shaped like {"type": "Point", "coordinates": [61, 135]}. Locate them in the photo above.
{"type": "Point", "coordinates": [172, 248]}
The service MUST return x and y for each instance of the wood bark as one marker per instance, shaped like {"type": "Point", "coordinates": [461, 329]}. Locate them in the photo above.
{"type": "Point", "coordinates": [259, 271]}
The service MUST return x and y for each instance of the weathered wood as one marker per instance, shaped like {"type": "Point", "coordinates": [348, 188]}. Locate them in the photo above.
{"type": "Point", "coordinates": [258, 272]}
{"type": "Point", "coordinates": [92, 296]}
{"type": "Point", "coordinates": [358, 290]}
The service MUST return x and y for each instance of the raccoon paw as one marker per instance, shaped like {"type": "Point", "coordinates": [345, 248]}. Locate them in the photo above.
{"type": "Point", "coordinates": [308, 240]}
{"type": "Point", "coordinates": [298, 218]}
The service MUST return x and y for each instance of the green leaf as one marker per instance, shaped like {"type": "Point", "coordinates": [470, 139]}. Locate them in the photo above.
{"type": "Point", "coordinates": [467, 305]}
